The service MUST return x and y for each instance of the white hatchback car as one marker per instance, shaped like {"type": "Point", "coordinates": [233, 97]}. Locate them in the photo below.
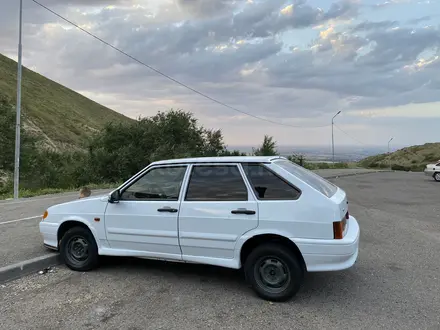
{"type": "Point", "coordinates": [267, 215]}
{"type": "Point", "coordinates": [433, 170]}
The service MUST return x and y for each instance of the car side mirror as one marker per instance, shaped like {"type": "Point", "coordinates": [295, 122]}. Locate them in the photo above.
{"type": "Point", "coordinates": [114, 197]}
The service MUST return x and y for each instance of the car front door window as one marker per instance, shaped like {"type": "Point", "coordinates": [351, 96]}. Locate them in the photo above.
{"type": "Point", "coordinates": [162, 183]}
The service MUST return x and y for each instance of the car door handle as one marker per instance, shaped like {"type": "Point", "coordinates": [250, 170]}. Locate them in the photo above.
{"type": "Point", "coordinates": [167, 209]}
{"type": "Point", "coordinates": [243, 211]}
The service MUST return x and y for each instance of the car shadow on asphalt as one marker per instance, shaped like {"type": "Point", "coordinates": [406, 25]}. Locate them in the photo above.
{"type": "Point", "coordinates": [170, 269]}
{"type": "Point", "coordinates": [315, 285]}
{"type": "Point", "coordinates": [323, 285]}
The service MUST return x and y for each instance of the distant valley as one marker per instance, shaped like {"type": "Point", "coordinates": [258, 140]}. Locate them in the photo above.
{"type": "Point", "coordinates": [324, 153]}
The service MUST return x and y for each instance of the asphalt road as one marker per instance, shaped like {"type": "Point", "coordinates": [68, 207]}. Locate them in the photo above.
{"type": "Point", "coordinates": [20, 238]}
{"type": "Point", "coordinates": [394, 285]}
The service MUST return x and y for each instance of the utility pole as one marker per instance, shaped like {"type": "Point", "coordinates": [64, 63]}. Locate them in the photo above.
{"type": "Point", "coordinates": [333, 137]}
{"type": "Point", "coordinates": [18, 120]}
{"type": "Point", "coordinates": [389, 161]}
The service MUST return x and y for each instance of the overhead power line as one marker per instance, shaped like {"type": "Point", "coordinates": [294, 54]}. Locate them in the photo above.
{"type": "Point", "coordinates": [171, 78]}
{"type": "Point", "coordinates": [351, 137]}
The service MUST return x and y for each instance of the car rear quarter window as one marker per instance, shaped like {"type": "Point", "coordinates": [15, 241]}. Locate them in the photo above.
{"type": "Point", "coordinates": [216, 183]}
{"type": "Point", "coordinates": [267, 185]}
{"type": "Point", "coordinates": [314, 180]}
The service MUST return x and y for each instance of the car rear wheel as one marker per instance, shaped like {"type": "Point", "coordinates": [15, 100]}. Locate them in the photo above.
{"type": "Point", "coordinates": [274, 272]}
{"type": "Point", "coordinates": [79, 250]}
{"type": "Point", "coordinates": [437, 176]}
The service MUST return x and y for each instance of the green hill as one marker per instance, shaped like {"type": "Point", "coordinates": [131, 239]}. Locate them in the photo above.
{"type": "Point", "coordinates": [412, 158]}
{"type": "Point", "coordinates": [62, 117]}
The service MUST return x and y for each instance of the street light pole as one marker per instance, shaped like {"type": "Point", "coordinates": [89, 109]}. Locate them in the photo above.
{"type": "Point", "coordinates": [18, 119]}
{"type": "Point", "coordinates": [333, 138]}
{"type": "Point", "coordinates": [389, 161]}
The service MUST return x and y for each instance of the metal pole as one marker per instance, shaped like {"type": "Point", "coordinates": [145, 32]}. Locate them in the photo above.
{"type": "Point", "coordinates": [333, 138]}
{"type": "Point", "coordinates": [333, 144]}
{"type": "Point", "coordinates": [18, 120]}
{"type": "Point", "coordinates": [389, 161]}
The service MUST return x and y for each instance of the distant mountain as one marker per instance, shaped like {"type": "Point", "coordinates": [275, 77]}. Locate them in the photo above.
{"type": "Point", "coordinates": [62, 117]}
{"type": "Point", "coordinates": [413, 158]}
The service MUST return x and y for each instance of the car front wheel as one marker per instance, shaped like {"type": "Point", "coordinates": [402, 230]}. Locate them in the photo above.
{"type": "Point", "coordinates": [274, 272]}
{"type": "Point", "coordinates": [437, 176]}
{"type": "Point", "coordinates": [79, 250]}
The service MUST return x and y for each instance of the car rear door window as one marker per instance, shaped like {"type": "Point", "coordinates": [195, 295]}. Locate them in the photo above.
{"type": "Point", "coordinates": [267, 185]}
{"type": "Point", "coordinates": [216, 183]}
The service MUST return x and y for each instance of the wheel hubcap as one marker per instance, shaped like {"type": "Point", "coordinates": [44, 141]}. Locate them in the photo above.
{"type": "Point", "coordinates": [437, 176]}
{"type": "Point", "coordinates": [272, 274]}
{"type": "Point", "coordinates": [78, 248]}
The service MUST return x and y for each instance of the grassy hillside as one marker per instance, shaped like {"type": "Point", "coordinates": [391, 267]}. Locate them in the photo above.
{"type": "Point", "coordinates": [61, 116]}
{"type": "Point", "coordinates": [412, 158]}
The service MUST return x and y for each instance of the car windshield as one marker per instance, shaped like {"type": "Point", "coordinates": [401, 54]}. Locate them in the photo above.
{"type": "Point", "coordinates": [315, 181]}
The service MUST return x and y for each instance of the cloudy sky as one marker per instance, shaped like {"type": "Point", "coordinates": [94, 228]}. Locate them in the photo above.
{"type": "Point", "coordinates": [295, 62]}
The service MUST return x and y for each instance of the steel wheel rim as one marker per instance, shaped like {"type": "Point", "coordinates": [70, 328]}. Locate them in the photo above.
{"type": "Point", "coordinates": [437, 176]}
{"type": "Point", "coordinates": [272, 274]}
{"type": "Point", "coordinates": [77, 249]}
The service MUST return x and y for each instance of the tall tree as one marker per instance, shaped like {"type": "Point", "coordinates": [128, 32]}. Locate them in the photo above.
{"type": "Point", "coordinates": [7, 139]}
{"type": "Point", "coordinates": [122, 149]}
{"type": "Point", "coordinates": [267, 148]}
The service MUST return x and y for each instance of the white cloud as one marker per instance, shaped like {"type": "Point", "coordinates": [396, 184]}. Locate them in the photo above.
{"type": "Point", "coordinates": [429, 110]}
{"type": "Point", "coordinates": [288, 10]}
{"type": "Point", "coordinates": [239, 52]}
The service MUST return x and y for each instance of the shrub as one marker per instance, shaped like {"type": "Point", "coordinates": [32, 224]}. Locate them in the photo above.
{"type": "Point", "coordinates": [340, 165]}
{"type": "Point", "coordinates": [323, 166]}
{"type": "Point", "coordinates": [397, 167]}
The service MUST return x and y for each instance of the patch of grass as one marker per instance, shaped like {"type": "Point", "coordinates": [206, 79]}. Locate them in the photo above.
{"type": "Point", "coordinates": [62, 117]}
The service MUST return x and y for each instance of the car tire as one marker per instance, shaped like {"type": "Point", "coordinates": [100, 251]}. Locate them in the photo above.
{"type": "Point", "coordinates": [436, 176]}
{"type": "Point", "coordinates": [78, 249]}
{"type": "Point", "coordinates": [274, 272]}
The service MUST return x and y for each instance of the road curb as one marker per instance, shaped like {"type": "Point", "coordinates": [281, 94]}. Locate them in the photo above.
{"type": "Point", "coordinates": [20, 269]}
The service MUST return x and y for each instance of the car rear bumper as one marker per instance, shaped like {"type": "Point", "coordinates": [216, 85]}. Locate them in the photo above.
{"type": "Point", "coordinates": [49, 231]}
{"type": "Point", "coordinates": [331, 255]}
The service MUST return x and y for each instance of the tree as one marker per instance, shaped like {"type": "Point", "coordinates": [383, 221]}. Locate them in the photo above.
{"type": "Point", "coordinates": [122, 149]}
{"type": "Point", "coordinates": [226, 153]}
{"type": "Point", "coordinates": [267, 148]}
{"type": "Point", "coordinates": [297, 159]}
{"type": "Point", "coordinates": [7, 140]}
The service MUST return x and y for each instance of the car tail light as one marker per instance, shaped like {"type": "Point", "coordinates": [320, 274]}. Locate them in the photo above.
{"type": "Point", "coordinates": [339, 228]}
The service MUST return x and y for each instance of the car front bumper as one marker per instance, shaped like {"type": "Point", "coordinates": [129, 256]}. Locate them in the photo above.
{"type": "Point", "coordinates": [429, 172]}
{"type": "Point", "coordinates": [49, 231]}
{"type": "Point", "coordinates": [331, 255]}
